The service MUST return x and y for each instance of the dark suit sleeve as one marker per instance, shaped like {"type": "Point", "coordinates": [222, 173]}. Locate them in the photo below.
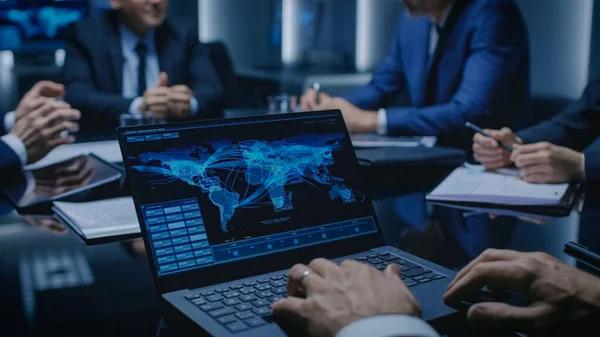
{"type": "Point", "coordinates": [575, 128]}
{"type": "Point", "coordinates": [592, 161]}
{"type": "Point", "coordinates": [388, 81]}
{"type": "Point", "coordinates": [81, 91]}
{"type": "Point", "coordinates": [498, 43]}
{"type": "Point", "coordinates": [203, 78]}
{"type": "Point", "coordinates": [8, 158]}
{"type": "Point", "coordinates": [2, 127]}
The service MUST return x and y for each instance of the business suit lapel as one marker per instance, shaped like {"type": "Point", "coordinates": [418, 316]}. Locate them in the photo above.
{"type": "Point", "coordinates": [165, 41]}
{"type": "Point", "coordinates": [446, 35]}
{"type": "Point", "coordinates": [420, 36]}
{"type": "Point", "coordinates": [115, 53]}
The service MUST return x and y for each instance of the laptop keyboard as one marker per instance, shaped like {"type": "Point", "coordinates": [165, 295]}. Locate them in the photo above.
{"type": "Point", "coordinates": [247, 305]}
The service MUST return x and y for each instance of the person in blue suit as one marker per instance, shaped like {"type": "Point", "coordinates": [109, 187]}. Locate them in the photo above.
{"type": "Point", "coordinates": [36, 127]}
{"type": "Point", "coordinates": [562, 149]}
{"type": "Point", "coordinates": [133, 60]}
{"type": "Point", "coordinates": [459, 61]}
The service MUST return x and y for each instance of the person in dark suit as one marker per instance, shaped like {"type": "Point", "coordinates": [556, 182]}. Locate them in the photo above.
{"type": "Point", "coordinates": [36, 127]}
{"type": "Point", "coordinates": [564, 148]}
{"type": "Point", "coordinates": [353, 299]}
{"type": "Point", "coordinates": [462, 60]}
{"type": "Point", "coordinates": [133, 60]}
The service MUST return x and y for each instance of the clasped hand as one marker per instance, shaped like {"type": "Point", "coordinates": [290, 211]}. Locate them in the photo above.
{"type": "Point", "coordinates": [165, 102]}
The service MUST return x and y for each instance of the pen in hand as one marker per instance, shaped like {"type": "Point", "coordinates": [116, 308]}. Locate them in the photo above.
{"type": "Point", "coordinates": [479, 130]}
{"type": "Point", "coordinates": [317, 89]}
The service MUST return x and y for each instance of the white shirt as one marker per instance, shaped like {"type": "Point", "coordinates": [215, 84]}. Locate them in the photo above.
{"type": "Point", "coordinates": [434, 38]}
{"type": "Point", "coordinates": [388, 326]}
{"type": "Point", "coordinates": [13, 141]}
{"type": "Point", "coordinates": [129, 42]}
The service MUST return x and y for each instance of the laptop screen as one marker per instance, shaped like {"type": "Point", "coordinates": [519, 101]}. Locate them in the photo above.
{"type": "Point", "coordinates": [224, 191]}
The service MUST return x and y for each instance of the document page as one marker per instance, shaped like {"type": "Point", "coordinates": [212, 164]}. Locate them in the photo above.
{"type": "Point", "coordinates": [103, 218]}
{"type": "Point", "coordinates": [373, 140]}
{"type": "Point", "coordinates": [475, 184]}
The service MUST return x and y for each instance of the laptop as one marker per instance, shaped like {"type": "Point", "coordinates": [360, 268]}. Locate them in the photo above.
{"type": "Point", "coordinates": [227, 206]}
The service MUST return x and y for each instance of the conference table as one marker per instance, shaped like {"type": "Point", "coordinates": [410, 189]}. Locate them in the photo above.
{"type": "Point", "coordinates": [51, 284]}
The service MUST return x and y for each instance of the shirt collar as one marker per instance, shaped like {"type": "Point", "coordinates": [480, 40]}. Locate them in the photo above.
{"type": "Point", "coordinates": [129, 39]}
{"type": "Point", "coordinates": [445, 15]}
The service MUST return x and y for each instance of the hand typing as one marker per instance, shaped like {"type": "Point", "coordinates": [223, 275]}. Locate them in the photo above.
{"type": "Point", "coordinates": [331, 297]}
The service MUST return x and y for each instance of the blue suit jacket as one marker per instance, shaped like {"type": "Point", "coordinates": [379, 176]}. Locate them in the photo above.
{"type": "Point", "coordinates": [8, 158]}
{"type": "Point", "coordinates": [93, 69]}
{"type": "Point", "coordinates": [479, 73]}
{"type": "Point", "coordinates": [578, 128]}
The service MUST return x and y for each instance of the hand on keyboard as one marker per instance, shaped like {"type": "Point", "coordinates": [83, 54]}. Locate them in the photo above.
{"type": "Point", "coordinates": [327, 297]}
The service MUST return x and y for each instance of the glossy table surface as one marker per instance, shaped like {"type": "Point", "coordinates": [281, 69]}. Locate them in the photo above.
{"type": "Point", "coordinates": [51, 284]}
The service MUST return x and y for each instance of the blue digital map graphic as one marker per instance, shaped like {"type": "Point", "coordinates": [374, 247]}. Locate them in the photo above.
{"type": "Point", "coordinates": [267, 167]}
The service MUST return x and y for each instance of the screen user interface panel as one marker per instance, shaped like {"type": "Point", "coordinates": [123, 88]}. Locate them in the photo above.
{"type": "Point", "coordinates": [208, 199]}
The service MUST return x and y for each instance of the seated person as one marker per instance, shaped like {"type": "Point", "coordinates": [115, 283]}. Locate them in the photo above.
{"type": "Point", "coordinates": [562, 149]}
{"type": "Point", "coordinates": [134, 60]}
{"type": "Point", "coordinates": [467, 61]}
{"type": "Point", "coordinates": [35, 127]}
{"type": "Point", "coordinates": [355, 300]}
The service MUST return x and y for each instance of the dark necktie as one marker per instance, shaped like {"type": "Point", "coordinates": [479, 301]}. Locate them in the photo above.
{"type": "Point", "coordinates": [141, 51]}
{"type": "Point", "coordinates": [430, 93]}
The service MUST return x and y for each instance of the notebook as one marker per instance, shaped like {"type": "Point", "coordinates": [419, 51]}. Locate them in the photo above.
{"type": "Point", "coordinates": [100, 221]}
{"type": "Point", "coordinates": [471, 185]}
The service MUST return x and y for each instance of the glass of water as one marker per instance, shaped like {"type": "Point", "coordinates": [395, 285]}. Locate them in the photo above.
{"type": "Point", "coordinates": [282, 104]}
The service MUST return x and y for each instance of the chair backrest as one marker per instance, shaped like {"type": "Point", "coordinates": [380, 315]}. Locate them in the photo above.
{"type": "Point", "coordinates": [235, 96]}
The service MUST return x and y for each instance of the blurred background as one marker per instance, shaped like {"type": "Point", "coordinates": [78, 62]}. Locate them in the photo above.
{"type": "Point", "coordinates": [282, 46]}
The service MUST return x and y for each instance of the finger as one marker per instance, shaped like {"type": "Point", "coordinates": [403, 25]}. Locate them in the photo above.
{"type": "Point", "coordinates": [541, 178]}
{"type": "Point", "coordinates": [158, 91]}
{"type": "Point", "coordinates": [47, 89]}
{"type": "Point", "coordinates": [56, 142]}
{"type": "Point", "coordinates": [164, 80]}
{"type": "Point", "coordinates": [299, 284]}
{"type": "Point", "coordinates": [484, 141]}
{"type": "Point", "coordinates": [292, 308]}
{"type": "Point", "coordinates": [324, 268]}
{"type": "Point", "coordinates": [54, 131]}
{"type": "Point", "coordinates": [39, 102]}
{"type": "Point", "coordinates": [536, 169]}
{"type": "Point", "coordinates": [532, 159]}
{"type": "Point", "coordinates": [51, 89]}
{"type": "Point", "coordinates": [48, 107]}
{"type": "Point", "coordinates": [308, 101]}
{"type": "Point", "coordinates": [180, 97]}
{"type": "Point", "coordinates": [489, 151]}
{"type": "Point", "coordinates": [392, 271]}
{"type": "Point", "coordinates": [488, 255]}
{"type": "Point", "coordinates": [505, 315]}
{"type": "Point", "coordinates": [533, 148]}
{"type": "Point", "coordinates": [57, 116]}
{"type": "Point", "coordinates": [497, 274]}
{"type": "Point", "coordinates": [157, 100]}
{"type": "Point", "coordinates": [182, 89]}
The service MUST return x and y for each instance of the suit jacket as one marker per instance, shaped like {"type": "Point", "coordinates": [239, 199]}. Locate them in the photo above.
{"type": "Point", "coordinates": [9, 160]}
{"type": "Point", "coordinates": [94, 66]}
{"type": "Point", "coordinates": [479, 73]}
{"type": "Point", "coordinates": [578, 128]}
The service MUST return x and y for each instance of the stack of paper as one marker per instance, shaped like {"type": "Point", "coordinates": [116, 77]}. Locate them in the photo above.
{"type": "Point", "coordinates": [372, 140]}
{"type": "Point", "coordinates": [100, 219]}
{"type": "Point", "coordinates": [504, 187]}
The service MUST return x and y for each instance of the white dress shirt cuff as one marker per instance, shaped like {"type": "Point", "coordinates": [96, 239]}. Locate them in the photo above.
{"type": "Point", "coordinates": [382, 122]}
{"type": "Point", "coordinates": [388, 326]}
{"type": "Point", "coordinates": [134, 108]}
{"type": "Point", "coordinates": [583, 165]}
{"type": "Point", "coordinates": [17, 146]}
{"type": "Point", "coordinates": [9, 121]}
{"type": "Point", "coordinates": [194, 106]}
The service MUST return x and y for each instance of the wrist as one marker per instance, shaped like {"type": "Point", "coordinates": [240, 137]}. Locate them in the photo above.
{"type": "Point", "coordinates": [370, 122]}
